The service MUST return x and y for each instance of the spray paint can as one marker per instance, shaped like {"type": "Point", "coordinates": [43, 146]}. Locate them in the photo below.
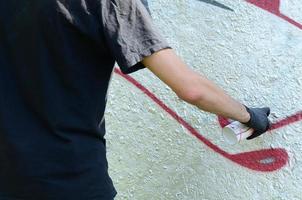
{"type": "Point", "coordinates": [235, 132]}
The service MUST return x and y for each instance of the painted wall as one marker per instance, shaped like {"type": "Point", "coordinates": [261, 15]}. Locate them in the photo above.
{"type": "Point", "coordinates": [162, 148]}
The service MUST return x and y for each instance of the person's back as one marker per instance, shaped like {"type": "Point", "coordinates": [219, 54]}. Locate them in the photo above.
{"type": "Point", "coordinates": [56, 60]}
{"type": "Point", "coordinates": [54, 73]}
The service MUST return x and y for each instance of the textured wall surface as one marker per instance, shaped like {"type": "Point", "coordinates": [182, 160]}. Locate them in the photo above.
{"type": "Point", "coordinates": [162, 148]}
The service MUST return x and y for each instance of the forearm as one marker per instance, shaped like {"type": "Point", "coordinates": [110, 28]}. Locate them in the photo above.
{"type": "Point", "coordinates": [213, 99]}
{"type": "Point", "coordinates": [192, 87]}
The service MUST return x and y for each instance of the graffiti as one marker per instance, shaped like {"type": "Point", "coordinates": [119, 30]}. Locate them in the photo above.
{"type": "Point", "coordinates": [273, 6]}
{"type": "Point", "coordinates": [217, 4]}
{"type": "Point", "coordinates": [265, 160]}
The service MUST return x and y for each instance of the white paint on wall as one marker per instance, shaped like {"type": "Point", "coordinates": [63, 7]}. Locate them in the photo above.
{"type": "Point", "coordinates": [253, 55]}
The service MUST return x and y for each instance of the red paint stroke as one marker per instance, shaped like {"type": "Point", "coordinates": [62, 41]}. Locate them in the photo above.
{"type": "Point", "coordinates": [289, 120]}
{"type": "Point", "coordinates": [265, 160]}
{"type": "Point", "coordinates": [273, 6]}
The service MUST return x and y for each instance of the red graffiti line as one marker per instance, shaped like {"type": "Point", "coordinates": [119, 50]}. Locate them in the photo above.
{"type": "Point", "coordinates": [273, 6]}
{"type": "Point", "coordinates": [265, 160]}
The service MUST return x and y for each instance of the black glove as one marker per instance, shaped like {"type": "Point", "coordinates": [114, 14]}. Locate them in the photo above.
{"type": "Point", "coordinates": [259, 121]}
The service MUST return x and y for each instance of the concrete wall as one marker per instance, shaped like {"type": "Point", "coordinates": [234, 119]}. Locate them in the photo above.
{"type": "Point", "coordinates": [162, 148]}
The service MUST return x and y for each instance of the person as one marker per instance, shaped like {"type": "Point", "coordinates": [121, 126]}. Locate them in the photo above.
{"type": "Point", "coordinates": [56, 60]}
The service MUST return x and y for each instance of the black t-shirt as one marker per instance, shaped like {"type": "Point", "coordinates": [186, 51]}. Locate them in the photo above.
{"type": "Point", "coordinates": [56, 60]}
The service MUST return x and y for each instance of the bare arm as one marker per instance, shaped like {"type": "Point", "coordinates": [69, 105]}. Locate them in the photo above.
{"type": "Point", "coordinates": [192, 87]}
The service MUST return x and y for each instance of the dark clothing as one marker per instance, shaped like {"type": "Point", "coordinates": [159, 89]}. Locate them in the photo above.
{"type": "Point", "coordinates": [56, 60]}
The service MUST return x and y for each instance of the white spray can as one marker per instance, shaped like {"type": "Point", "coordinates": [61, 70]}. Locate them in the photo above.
{"type": "Point", "coordinates": [236, 132]}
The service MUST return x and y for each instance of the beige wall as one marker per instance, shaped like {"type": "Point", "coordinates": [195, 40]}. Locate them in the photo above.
{"type": "Point", "coordinates": [255, 54]}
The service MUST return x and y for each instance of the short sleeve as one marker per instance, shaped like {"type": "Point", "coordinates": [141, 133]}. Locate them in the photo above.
{"type": "Point", "coordinates": [130, 33]}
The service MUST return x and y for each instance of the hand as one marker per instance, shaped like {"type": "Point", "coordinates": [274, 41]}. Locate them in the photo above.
{"type": "Point", "coordinates": [259, 121]}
